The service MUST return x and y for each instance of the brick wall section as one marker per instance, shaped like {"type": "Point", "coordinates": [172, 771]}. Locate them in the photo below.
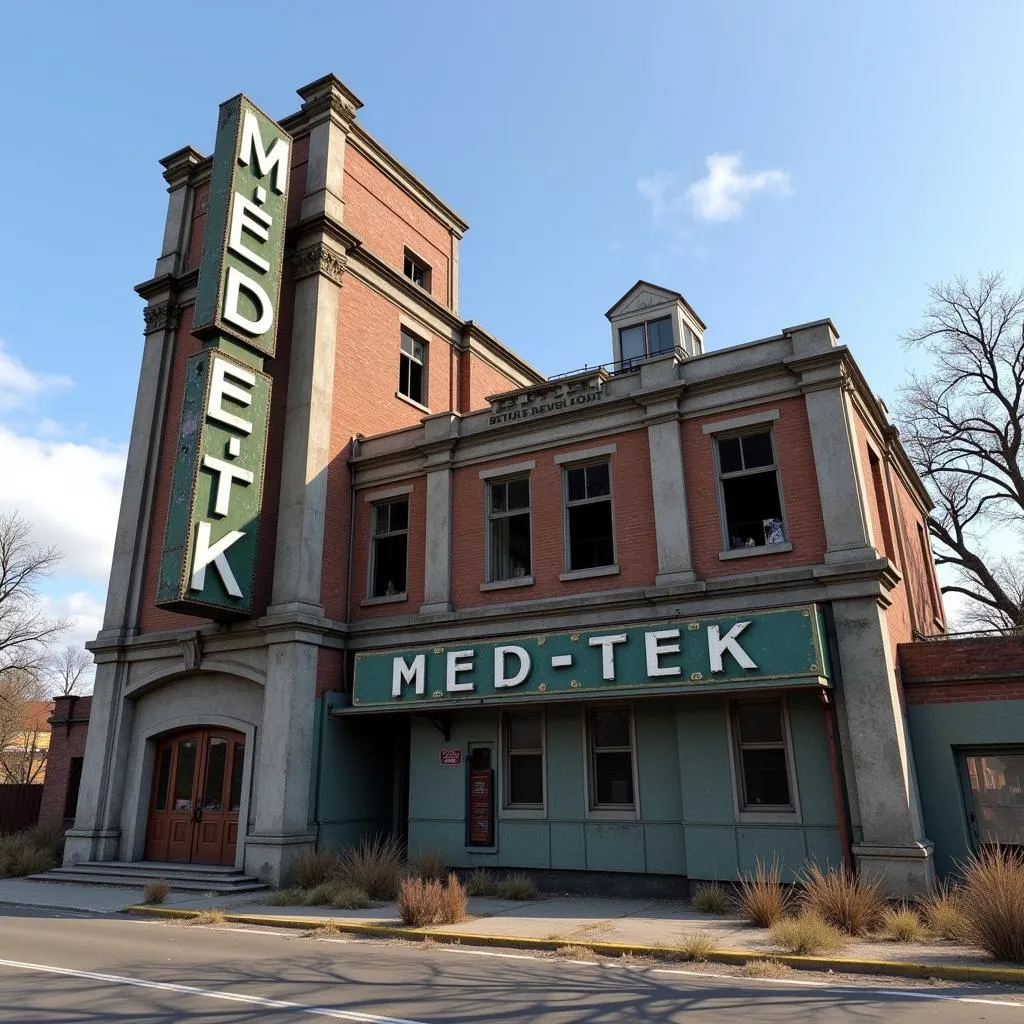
{"type": "Point", "coordinates": [484, 380]}
{"type": "Point", "coordinates": [328, 670]}
{"type": "Point", "coordinates": [961, 670]}
{"type": "Point", "coordinates": [69, 724]}
{"type": "Point", "coordinates": [795, 460]}
{"type": "Point", "coordinates": [388, 220]}
{"type": "Point", "coordinates": [634, 526]}
{"type": "Point", "coordinates": [194, 251]}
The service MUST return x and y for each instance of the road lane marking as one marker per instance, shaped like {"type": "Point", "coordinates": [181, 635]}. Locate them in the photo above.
{"type": "Point", "coordinates": [231, 997]}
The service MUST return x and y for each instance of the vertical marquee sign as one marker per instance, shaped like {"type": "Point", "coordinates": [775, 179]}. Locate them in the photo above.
{"type": "Point", "coordinates": [210, 543]}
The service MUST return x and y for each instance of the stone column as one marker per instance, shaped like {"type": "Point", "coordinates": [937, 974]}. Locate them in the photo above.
{"type": "Point", "coordinates": [833, 440]}
{"type": "Point", "coordinates": [890, 841]}
{"type": "Point", "coordinates": [440, 433]}
{"type": "Point", "coordinates": [659, 381]}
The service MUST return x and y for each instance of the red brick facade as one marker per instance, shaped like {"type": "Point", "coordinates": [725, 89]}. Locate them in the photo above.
{"type": "Point", "coordinates": [961, 670]}
{"type": "Point", "coordinates": [69, 724]}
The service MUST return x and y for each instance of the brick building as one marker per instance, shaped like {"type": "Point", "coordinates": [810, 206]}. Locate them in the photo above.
{"type": "Point", "coordinates": [69, 725]}
{"type": "Point", "coordinates": [374, 571]}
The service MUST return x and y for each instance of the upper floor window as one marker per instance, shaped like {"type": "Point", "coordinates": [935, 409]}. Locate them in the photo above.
{"type": "Point", "coordinates": [588, 516]}
{"type": "Point", "coordinates": [417, 271]}
{"type": "Point", "coordinates": [763, 758]}
{"type": "Point", "coordinates": [508, 527]}
{"type": "Point", "coordinates": [412, 363]}
{"type": "Point", "coordinates": [641, 341]}
{"type": "Point", "coordinates": [750, 493]}
{"type": "Point", "coordinates": [389, 548]}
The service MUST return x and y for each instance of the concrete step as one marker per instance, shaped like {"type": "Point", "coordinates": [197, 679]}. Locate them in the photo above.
{"type": "Point", "coordinates": [180, 877]}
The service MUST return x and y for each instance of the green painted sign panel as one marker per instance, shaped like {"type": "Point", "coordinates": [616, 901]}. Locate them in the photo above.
{"type": "Point", "coordinates": [783, 647]}
{"type": "Point", "coordinates": [212, 532]}
{"type": "Point", "coordinates": [243, 244]}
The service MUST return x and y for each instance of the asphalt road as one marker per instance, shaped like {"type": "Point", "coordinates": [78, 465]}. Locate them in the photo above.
{"type": "Point", "coordinates": [84, 970]}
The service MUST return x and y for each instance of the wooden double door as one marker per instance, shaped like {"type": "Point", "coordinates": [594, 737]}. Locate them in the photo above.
{"type": "Point", "coordinates": [197, 793]}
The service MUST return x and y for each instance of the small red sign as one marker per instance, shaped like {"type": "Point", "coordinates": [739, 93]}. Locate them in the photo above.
{"type": "Point", "coordinates": [451, 757]}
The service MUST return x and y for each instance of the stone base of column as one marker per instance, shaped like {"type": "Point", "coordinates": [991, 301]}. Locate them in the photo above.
{"type": "Point", "coordinates": [902, 871]}
{"type": "Point", "coordinates": [436, 607]}
{"type": "Point", "coordinates": [272, 859]}
{"type": "Point", "coordinates": [841, 556]}
{"type": "Point", "coordinates": [675, 579]}
{"type": "Point", "coordinates": [82, 846]}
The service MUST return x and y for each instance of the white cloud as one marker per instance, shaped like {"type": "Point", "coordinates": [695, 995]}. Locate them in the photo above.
{"type": "Point", "coordinates": [19, 385]}
{"type": "Point", "coordinates": [721, 195]}
{"type": "Point", "coordinates": [69, 492]}
{"type": "Point", "coordinates": [82, 608]}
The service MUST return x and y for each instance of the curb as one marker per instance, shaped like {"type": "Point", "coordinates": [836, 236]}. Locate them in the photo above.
{"type": "Point", "coordinates": [889, 968]}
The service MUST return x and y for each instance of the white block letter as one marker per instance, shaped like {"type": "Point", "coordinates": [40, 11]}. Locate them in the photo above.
{"type": "Point", "coordinates": [455, 665]}
{"type": "Point", "coordinates": [606, 643]}
{"type": "Point", "coordinates": [414, 673]}
{"type": "Point", "coordinates": [205, 553]}
{"type": "Point", "coordinates": [221, 388]}
{"type": "Point", "coordinates": [718, 645]}
{"type": "Point", "coordinates": [655, 649]}
{"type": "Point", "coordinates": [251, 151]}
{"type": "Point", "coordinates": [237, 282]}
{"type": "Point", "coordinates": [500, 679]}
{"type": "Point", "coordinates": [247, 216]}
{"type": "Point", "coordinates": [226, 473]}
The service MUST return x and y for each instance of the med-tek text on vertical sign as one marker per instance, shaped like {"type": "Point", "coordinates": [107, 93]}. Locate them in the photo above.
{"type": "Point", "coordinates": [208, 564]}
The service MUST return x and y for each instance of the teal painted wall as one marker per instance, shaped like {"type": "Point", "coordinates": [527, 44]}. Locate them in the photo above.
{"type": "Point", "coordinates": [936, 733]}
{"type": "Point", "coordinates": [688, 823]}
{"type": "Point", "coordinates": [354, 776]}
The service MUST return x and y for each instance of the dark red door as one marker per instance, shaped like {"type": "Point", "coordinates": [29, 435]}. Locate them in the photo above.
{"type": "Point", "coordinates": [197, 790]}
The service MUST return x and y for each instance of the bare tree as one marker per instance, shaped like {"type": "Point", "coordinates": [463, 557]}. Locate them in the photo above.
{"type": "Point", "coordinates": [24, 711]}
{"type": "Point", "coordinates": [962, 423]}
{"type": "Point", "coordinates": [25, 631]}
{"type": "Point", "coordinates": [65, 669]}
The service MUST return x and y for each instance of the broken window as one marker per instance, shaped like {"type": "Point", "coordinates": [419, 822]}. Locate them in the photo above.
{"type": "Point", "coordinates": [508, 510]}
{"type": "Point", "coordinates": [751, 497]}
{"type": "Point", "coordinates": [389, 548]}
{"type": "Point", "coordinates": [589, 516]}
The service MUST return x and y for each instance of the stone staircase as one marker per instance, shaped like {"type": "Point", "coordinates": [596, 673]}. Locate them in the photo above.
{"type": "Point", "coordinates": [211, 879]}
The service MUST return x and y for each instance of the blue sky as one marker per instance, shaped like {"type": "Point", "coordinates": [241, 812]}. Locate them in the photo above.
{"type": "Point", "coordinates": [859, 152]}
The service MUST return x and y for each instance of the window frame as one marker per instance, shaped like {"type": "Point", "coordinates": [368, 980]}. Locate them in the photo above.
{"type": "Point", "coordinates": [597, 570]}
{"type": "Point", "coordinates": [418, 262]}
{"type": "Point", "coordinates": [402, 595]}
{"type": "Point", "coordinates": [508, 809]}
{"type": "Point", "coordinates": [423, 363]}
{"type": "Point", "coordinates": [609, 812]}
{"type": "Point", "coordinates": [490, 516]}
{"type": "Point", "coordinates": [774, 813]}
{"type": "Point", "coordinates": [748, 430]}
{"type": "Point", "coordinates": [630, 361]}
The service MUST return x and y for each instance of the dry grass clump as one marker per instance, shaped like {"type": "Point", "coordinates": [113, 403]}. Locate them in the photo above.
{"type": "Point", "coordinates": [807, 935]}
{"type": "Point", "coordinates": [766, 969]}
{"type": "Point", "coordinates": [573, 952]}
{"type": "Point", "coordinates": [993, 903]}
{"type": "Point", "coordinates": [902, 924]}
{"type": "Point", "coordinates": [208, 917]}
{"type": "Point", "coordinates": [325, 931]}
{"type": "Point", "coordinates": [711, 898]}
{"type": "Point", "coordinates": [156, 891]}
{"type": "Point", "coordinates": [517, 886]}
{"type": "Point", "coordinates": [318, 867]}
{"type": "Point", "coordinates": [453, 901]}
{"type": "Point", "coordinates": [290, 897]}
{"type": "Point", "coordinates": [31, 851]}
{"type": "Point", "coordinates": [695, 946]}
{"type": "Point", "coordinates": [943, 912]}
{"type": "Point", "coordinates": [374, 865]}
{"type": "Point", "coordinates": [841, 898]}
{"type": "Point", "coordinates": [419, 902]}
{"type": "Point", "coordinates": [762, 897]}
{"type": "Point", "coordinates": [428, 864]}
{"type": "Point", "coordinates": [482, 883]}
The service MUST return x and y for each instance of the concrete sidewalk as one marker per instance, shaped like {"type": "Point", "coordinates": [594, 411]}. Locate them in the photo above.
{"type": "Point", "coordinates": [98, 899]}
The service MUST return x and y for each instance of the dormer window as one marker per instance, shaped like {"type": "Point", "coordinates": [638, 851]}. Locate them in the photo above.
{"type": "Point", "coordinates": [641, 341]}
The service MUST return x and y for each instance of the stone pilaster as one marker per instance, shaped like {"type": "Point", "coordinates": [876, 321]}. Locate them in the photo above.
{"type": "Point", "coordinates": [440, 432]}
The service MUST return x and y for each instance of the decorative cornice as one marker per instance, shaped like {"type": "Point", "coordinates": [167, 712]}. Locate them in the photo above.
{"type": "Point", "coordinates": [162, 316]}
{"type": "Point", "coordinates": [320, 259]}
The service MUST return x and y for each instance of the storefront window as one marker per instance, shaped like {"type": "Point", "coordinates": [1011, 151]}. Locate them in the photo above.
{"type": "Point", "coordinates": [611, 758]}
{"type": "Point", "coordinates": [762, 755]}
{"type": "Point", "coordinates": [524, 760]}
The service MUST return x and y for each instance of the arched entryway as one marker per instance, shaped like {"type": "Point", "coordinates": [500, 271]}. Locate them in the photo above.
{"type": "Point", "coordinates": [196, 796]}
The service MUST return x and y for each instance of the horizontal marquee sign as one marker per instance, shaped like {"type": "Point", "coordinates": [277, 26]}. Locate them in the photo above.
{"type": "Point", "coordinates": [209, 556]}
{"type": "Point", "coordinates": [243, 243]}
{"type": "Point", "coordinates": [774, 648]}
